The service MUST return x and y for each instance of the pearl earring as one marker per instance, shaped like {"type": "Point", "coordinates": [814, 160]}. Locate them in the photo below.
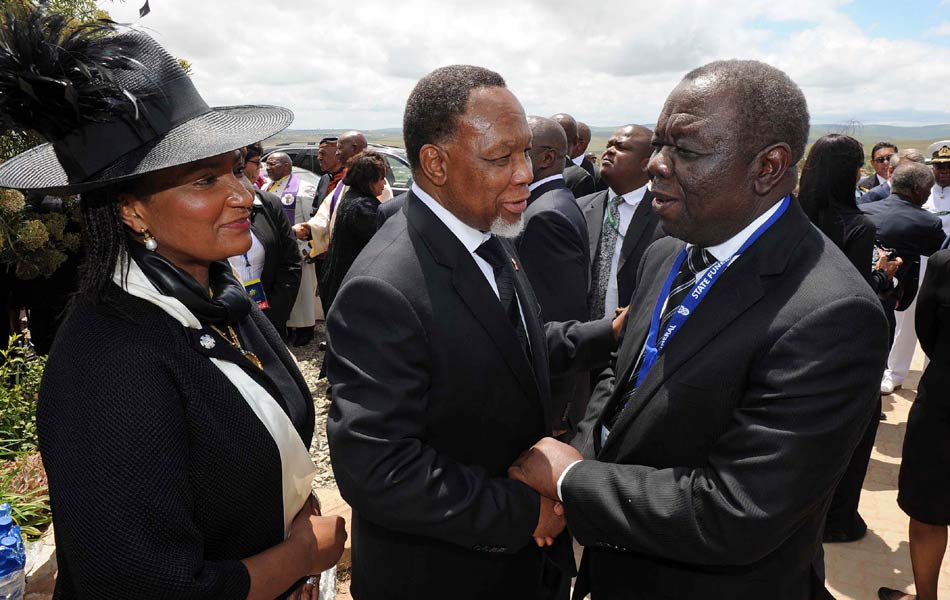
{"type": "Point", "coordinates": [150, 242]}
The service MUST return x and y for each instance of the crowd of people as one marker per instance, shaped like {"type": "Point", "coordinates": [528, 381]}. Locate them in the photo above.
{"type": "Point", "coordinates": [524, 351]}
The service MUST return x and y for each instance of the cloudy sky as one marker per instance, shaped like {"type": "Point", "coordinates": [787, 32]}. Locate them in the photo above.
{"type": "Point", "coordinates": [352, 63]}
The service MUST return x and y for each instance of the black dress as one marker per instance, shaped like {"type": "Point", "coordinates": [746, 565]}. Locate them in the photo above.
{"type": "Point", "coordinates": [354, 227]}
{"type": "Point", "coordinates": [924, 483]}
{"type": "Point", "coordinates": [856, 239]}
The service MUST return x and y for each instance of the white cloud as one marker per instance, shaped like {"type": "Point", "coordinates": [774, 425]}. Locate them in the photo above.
{"type": "Point", "coordinates": [941, 28]}
{"type": "Point", "coordinates": [349, 64]}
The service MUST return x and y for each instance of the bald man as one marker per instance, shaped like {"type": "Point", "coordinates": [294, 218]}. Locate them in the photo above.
{"type": "Point", "coordinates": [320, 226]}
{"type": "Point", "coordinates": [556, 259]}
{"type": "Point", "coordinates": [577, 179]}
{"type": "Point", "coordinates": [579, 153]}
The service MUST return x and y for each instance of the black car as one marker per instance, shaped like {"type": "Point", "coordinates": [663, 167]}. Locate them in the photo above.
{"type": "Point", "coordinates": [304, 155]}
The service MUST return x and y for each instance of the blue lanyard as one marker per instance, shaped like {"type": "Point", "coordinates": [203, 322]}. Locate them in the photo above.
{"type": "Point", "coordinates": [653, 345]}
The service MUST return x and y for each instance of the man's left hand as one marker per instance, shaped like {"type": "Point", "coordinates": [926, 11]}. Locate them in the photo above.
{"type": "Point", "coordinates": [620, 315]}
{"type": "Point", "coordinates": [542, 464]}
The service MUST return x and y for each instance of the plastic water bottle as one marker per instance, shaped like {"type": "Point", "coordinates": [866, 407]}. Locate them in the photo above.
{"type": "Point", "coordinates": [12, 557]}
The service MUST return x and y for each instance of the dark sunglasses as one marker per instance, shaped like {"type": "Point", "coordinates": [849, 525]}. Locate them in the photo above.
{"type": "Point", "coordinates": [882, 159]}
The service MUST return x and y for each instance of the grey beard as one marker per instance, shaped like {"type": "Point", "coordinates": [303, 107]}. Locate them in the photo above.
{"type": "Point", "coordinates": [503, 228]}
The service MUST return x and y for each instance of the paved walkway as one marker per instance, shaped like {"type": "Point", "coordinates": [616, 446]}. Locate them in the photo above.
{"type": "Point", "coordinates": [853, 571]}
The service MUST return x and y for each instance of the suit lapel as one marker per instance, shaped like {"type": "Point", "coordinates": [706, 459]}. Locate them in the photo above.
{"type": "Point", "coordinates": [637, 228]}
{"type": "Point", "coordinates": [545, 188]}
{"type": "Point", "coordinates": [531, 309]}
{"type": "Point", "coordinates": [473, 289]}
{"type": "Point", "coordinates": [594, 214]}
{"type": "Point", "coordinates": [738, 289]}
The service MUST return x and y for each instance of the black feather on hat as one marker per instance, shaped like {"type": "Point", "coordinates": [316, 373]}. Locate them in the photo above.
{"type": "Point", "coordinates": [112, 105]}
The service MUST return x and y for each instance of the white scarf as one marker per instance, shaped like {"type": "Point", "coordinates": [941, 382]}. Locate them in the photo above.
{"type": "Point", "coordinates": [297, 469]}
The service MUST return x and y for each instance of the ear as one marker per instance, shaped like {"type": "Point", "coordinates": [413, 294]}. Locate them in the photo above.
{"type": "Point", "coordinates": [772, 165]}
{"type": "Point", "coordinates": [131, 209]}
{"type": "Point", "coordinates": [433, 161]}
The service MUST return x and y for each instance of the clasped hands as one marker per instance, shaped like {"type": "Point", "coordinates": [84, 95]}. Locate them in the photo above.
{"type": "Point", "coordinates": [539, 467]}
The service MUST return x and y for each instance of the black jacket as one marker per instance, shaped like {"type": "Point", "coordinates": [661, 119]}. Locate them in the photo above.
{"type": "Point", "coordinates": [716, 477]}
{"type": "Point", "coordinates": [577, 179]}
{"type": "Point", "coordinates": [161, 476]}
{"type": "Point", "coordinates": [281, 274]}
{"type": "Point", "coordinates": [433, 399]}
{"type": "Point", "coordinates": [910, 230]}
{"type": "Point", "coordinates": [556, 259]}
{"type": "Point", "coordinates": [355, 224]}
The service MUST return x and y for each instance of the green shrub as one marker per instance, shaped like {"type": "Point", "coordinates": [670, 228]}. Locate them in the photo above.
{"type": "Point", "coordinates": [20, 374]}
{"type": "Point", "coordinates": [22, 478]}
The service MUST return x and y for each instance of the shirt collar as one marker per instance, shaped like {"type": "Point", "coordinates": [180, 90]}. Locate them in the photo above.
{"type": "Point", "coordinates": [577, 160]}
{"type": "Point", "coordinates": [535, 185]}
{"type": "Point", "coordinates": [726, 250]}
{"type": "Point", "coordinates": [632, 198]}
{"type": "Point", "coordinates": [470, 237]}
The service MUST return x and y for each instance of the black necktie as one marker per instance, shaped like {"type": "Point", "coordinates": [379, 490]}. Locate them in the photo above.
{"type": "Point", "coordinates": [697, 261]}
{"type": "Point", "coordinates": [493, 253]}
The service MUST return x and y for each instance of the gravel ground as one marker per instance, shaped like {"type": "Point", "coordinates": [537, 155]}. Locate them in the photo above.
{"type": "Point", "coordinates": [310, 358]}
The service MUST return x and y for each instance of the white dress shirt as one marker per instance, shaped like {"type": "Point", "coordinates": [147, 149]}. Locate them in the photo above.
{"type": "Point", "coordinates": [250, 265]}
{"type": "Point", "coordinates": [722, 252]}
{"type": "Point", "coordinates": [536, 184]}
{"type": "Point", "coordinates": [470, 237]}
{"type": "Point", "coordinates": [630, 202]}
{"type": "Point", "coordinates": [577, 160]}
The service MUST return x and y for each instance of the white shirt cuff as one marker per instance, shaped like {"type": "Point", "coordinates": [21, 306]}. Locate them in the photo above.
{"type": "Point", "coordinates": [560, 479]}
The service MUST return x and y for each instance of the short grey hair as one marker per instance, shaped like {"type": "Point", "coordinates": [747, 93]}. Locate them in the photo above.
{"type": "Point", "coordinates": [910, 175]}
{"type": "Point", "coordinates": [771, 107]}
{"type": "Point", "coordinates": [907, 154]}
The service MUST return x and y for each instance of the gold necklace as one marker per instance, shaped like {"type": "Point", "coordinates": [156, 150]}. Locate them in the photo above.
{"type": "Point", "coordinates": [236, 344]}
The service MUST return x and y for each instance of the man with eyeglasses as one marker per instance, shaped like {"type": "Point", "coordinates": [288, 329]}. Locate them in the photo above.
{"type": "Point", "coordinates": [880, 155]}
{"type": "Point", "coordinates": [556, 259]}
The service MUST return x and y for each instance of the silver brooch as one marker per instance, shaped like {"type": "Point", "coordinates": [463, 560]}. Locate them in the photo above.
{"type": "Point", "coordinates": [207, 342]}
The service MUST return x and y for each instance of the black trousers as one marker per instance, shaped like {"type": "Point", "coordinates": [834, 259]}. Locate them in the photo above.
{"type": "Point", "coordinates": [843, 514]}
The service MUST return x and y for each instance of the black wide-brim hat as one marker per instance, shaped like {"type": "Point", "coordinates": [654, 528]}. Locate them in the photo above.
{"type": "Point", "coordinates": [155, 119]}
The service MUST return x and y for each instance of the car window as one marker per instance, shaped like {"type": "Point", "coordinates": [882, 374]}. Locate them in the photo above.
{"type": "Point", "coordinates": [399, 174]}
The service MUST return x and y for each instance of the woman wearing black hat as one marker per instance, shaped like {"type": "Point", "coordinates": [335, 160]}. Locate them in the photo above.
{"type": "Point", "coordinates": [173, 423]}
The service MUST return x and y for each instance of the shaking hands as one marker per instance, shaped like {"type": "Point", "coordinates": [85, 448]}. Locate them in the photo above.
{"type": "Point", "coordinates": [540, 467]}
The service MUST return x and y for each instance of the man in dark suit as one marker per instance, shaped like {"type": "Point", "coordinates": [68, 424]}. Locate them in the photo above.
{"type": "Point", "coordinates": [577, 179]}
{"type": "Point", "coordinates": [579, 153]}
{"type": "Point", "coordinates": [909, 230]}
{"type": "Point", "coordinates": [440, 364]}
{"type": "Point", "coordinates": [880, 161]}
{"type": "Point", "coordinates": [617, 238]}
{"type": "Point", "coordinates": [628, 232]}
{"type": "Point", "coordinates": [389, 208]}
{"type": "Point", "coordinates": [883, 190]}
{"type": "Point", "coordinates": [554, 253]}
{"type": "Point", "coordinates": [734, 405]}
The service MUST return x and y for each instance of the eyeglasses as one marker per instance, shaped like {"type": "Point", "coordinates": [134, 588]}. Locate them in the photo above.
{"type": "Point", "coordinates": [255, 162]}
{"type": "Point", "coordinates": [882, 159]}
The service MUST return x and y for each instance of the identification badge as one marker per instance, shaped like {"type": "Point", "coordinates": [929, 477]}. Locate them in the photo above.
{"type": "Point", "coordinates": [255, 289]}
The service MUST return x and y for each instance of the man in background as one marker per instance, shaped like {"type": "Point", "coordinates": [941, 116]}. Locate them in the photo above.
{"type": "Point", "coordinates": [556, 259]}
{"type": "Point", "coordinates": [577, 179]}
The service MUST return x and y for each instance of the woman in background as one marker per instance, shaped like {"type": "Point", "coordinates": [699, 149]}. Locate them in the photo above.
{"type": "Point", "coordinates": [355, 219]}
{"type": "Point", "coordinates": [924, 482]}
{"type": "Point", "coordinates": [826, 194]}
